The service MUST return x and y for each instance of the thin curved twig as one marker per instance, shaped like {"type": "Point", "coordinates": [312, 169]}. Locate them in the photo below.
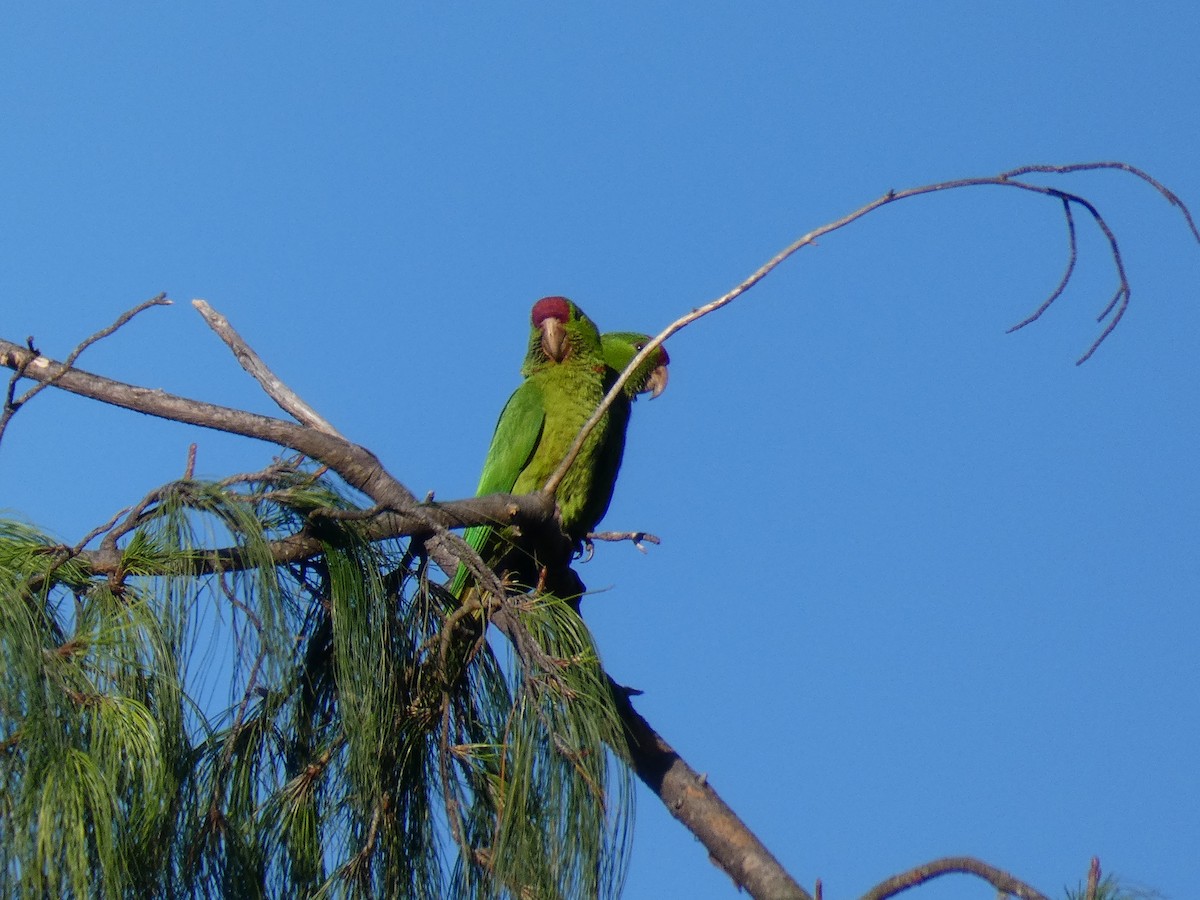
{"type": "Point", "coordinates": [13, 403]}
{"type": "Point", "coordinates": [1072, 257]}
{"type": "Point", "coordinates": [1119, 301]}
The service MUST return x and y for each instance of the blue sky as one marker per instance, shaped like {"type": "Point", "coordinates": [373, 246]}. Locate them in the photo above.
{"type": "Point", "coordinates": [924, 588]}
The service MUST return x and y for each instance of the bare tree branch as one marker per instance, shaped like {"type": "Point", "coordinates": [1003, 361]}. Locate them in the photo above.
{"type": "Point", "coordinates": [358, 466]}
{"type": "Point", "coordinates": [287, 399]}
{"type": "Point", "coordinates": [1072, 256]}
{"type": "Point", "coordinates": [503, 509]}
{"type": "Point", "coordinates": [1119, 301]}
{"type": "Point", "coordinates": [355, 464]}
{"type": "Point", "coordinates": [691, 799]}
{"type": "Point", "coordinates": [1169, 195]}
{"type": "Point", "coordinates": [963, 865]}
{"type": "Point", "coordinates": [12, 403]}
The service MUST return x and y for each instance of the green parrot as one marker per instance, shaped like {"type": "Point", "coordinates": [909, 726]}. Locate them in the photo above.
{"type": "Point", "coordinates": [565, 377]}
{"type": "Point", "coordinates": [619, 349]}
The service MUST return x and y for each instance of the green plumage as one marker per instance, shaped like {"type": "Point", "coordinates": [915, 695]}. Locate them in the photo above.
{"type": "Point", "coordinates": [565, 377]}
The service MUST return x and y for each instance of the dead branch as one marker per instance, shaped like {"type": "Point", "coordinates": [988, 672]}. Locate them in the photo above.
{"type": "Point", "coordinates": [12, 403]}
{"type": "Point", "coordinates": [1168, 195]}
{"type": "Point", "coordinates": [504, 509]}
{"type": "Point", "coordinates": [686, 794]}
{"type": "Point", "coordinates": [358, 466]}
{"type": "Point", "coordinates": [287, 399]}
{"type": "Point", "coordinates": [689, 797]}
{"type": "Point", "coordinates": [355, 464]}
{"type": "Point", "coordinates": [1004, 883]}
{"type": "Point", "coordinates": [1115, 307]}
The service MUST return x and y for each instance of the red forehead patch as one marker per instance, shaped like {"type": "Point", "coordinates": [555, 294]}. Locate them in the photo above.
{"type": "Point", "coordinates": [551, 308]}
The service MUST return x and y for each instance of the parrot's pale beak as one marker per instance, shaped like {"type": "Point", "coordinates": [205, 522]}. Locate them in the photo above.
{"type": "Point", "coordinates": [657, 382]}
{"type": "Point", "coordinates": [554, 339]}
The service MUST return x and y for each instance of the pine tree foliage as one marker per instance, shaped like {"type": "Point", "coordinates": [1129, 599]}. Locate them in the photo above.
{"type": "Point", "coordinates": [219, 724]}
{"type": "Point", "coordinates": [1111, 888]}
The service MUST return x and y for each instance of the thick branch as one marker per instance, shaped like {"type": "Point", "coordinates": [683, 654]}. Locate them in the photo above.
{"type": "Point", "coordinates": [357, 465]}
{"type": "Point", "coordinates": [528, 510]}
{"type": "Point", "coordinates": [689, 797]}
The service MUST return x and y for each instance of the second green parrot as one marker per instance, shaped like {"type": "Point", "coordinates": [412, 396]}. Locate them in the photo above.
{"type": "Point", "coordinates": [619, 349]}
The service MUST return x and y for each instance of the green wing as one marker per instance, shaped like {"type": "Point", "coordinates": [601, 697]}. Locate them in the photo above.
{"type": "Point", "coordinates": [515, 439]}
{"type": "Point", "coordinates": [514, 442]}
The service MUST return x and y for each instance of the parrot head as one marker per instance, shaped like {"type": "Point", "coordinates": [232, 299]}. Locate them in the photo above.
{"type": "Point", "coordinates": [560, 329]}
{"type": "Point", "coordinates": [620, 347]}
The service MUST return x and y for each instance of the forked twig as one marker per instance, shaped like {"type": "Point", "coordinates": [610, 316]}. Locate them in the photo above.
{"type": "Point", "coordinates": [12, 403]}
{"type": "Point", "coordinates": [1168, 195]}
